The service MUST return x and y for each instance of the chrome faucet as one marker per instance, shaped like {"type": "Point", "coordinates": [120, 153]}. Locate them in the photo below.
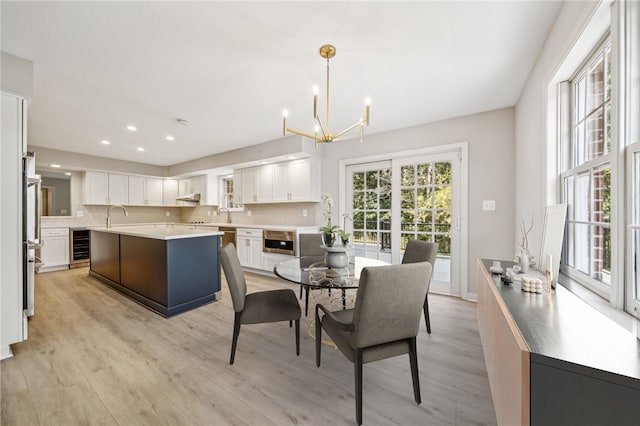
{"type": "Point", "coordinates": [228, 213]}
{"type": "Point", "coordinates": [126, 213]}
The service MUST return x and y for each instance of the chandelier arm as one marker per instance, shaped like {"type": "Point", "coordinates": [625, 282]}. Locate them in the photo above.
{"type": "Point", "coordinates": [324, 133]}
{"type": "Point", "coordinates": [306, 135]}
{"type": "Point", "coordinates": [359, 123]}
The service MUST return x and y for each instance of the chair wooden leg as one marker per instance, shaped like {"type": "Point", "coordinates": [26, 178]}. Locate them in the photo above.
{"type": "Point", "coordinates": [426, 314]}
{"type": "Point", "coordinates": [236, 332]}
{"type": "Point", "coordinates": [298, 337]}
{"type": "Point", "coordinates": [318, 337]}
{"type": "Point", "coordinates": [357, 363]}
{"type": "Point", "coordinates": [301, 291]}
{"type": "Point", "coordinates": [413, 360]}
{"type": "Point", "coordinates": [344, 299]}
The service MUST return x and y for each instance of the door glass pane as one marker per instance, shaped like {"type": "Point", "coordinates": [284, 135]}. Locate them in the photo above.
{"type": "Point", "coordinates": [372, 213]}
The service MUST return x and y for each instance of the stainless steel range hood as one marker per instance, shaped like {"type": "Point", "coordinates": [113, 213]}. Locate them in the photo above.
{"type": "Point", "coordinates": [195, 197]}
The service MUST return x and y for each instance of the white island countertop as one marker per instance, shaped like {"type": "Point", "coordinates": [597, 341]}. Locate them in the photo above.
{"type": "Point", "coordinates": [159, 232]}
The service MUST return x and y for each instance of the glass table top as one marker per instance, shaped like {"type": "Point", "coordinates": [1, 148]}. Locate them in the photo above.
{"type": "Point", "coordinates": [312, 270]}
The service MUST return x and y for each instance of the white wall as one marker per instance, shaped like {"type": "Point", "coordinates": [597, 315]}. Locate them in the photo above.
{"type": "Point", "coordinates": [531, 175]}
{"type": "Point", "coordinates": [491, 149]}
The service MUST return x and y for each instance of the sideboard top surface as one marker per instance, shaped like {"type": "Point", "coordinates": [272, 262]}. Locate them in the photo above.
{"type": "Point", "coordinates": [561, 326]}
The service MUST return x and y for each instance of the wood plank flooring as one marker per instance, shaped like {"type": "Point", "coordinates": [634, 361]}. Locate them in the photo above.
{"type": "Point", "coordinates": [95, 357]}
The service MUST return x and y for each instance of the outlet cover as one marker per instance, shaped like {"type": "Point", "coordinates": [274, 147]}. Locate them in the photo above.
{"type": "Point", "coordinates": [488, 205]}
{"type": "Point", "coordinates": [208, 212]}
{"type": "Point", "coordinates": [79, 213]}
{"type": "Point", "coordinates": [248, 212]}
{"type": "Point", "coordinates": [167, 214]}
{"type": "Point", "coordinates": [304, 212]}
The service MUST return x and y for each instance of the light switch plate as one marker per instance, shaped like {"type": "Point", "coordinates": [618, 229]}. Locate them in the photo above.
{"type": "Point", "coordinates": [488, 205]}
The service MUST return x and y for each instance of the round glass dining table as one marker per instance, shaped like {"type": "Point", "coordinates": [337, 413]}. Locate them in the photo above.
{"type": "Point", "coordinates": [312, 271]}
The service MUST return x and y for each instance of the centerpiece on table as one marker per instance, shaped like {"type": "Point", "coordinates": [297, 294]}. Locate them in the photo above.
{"type": "Point", "coordinates": [336, 256]}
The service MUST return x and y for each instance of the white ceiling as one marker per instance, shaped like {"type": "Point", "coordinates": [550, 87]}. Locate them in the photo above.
{"type": "Point", "coordinates": [230, 68]}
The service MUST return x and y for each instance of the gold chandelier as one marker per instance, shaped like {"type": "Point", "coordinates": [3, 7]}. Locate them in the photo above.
{"type": "Point", "coordinates": [321, 133]}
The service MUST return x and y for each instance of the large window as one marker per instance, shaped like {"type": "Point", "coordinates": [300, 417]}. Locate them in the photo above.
{"type": "Point", "coordinates": [587, 175]}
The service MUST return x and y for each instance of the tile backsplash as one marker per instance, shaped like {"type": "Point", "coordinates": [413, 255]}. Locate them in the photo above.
{"type": "Point", "coordinates": [261, 214]}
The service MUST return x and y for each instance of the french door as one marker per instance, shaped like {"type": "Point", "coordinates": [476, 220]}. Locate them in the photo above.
{"type": "Point", "coordinates": [397, 200]}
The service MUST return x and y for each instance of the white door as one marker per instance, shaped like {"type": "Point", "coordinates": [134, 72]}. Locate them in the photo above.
{"type": "Point", "coordinates": [397, 200]}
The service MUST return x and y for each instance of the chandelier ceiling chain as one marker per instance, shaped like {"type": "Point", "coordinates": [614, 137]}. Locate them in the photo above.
{"type": "Point", "coordinates": [321, 133]}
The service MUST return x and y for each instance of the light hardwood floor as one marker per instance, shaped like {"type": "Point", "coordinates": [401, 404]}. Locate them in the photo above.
{"type": "Point", "coordinates": [95, 357]}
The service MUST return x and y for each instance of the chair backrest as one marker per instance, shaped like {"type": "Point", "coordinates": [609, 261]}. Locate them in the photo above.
{"type": "Point", "coordinates": [420, 251]}
{"type": "Point", "coordinates": [310, 245]}
{"type": "Point", "coordinates": [235, 276]}
{"type": "Point", "coordinates": [389, 303]}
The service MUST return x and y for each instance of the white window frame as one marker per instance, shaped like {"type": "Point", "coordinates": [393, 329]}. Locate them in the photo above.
{"type": "Point", "coordinates": [622, 20]}
{"type": "Point", "coordinates": [568, 148]}
{"type": "Point", "coordinates": [223, 202]}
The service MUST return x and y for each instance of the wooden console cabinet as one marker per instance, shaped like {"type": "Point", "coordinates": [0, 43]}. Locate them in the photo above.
{"type": "Point", "coordinates": [552, 359]}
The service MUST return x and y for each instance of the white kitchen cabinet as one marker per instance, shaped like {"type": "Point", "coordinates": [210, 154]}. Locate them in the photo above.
{"type": "Point", "coordinates": [296, 181]}
{"type": "Point", "coordinates": [269, 260]}
{"type": "Point", "coordinates": [257, 184]}
{"type": "Point", "coordinates": [105, 188]}
{"type": "Point", "coordinates": [169, 192]}
{"type": "Point", "coordinates": [213, 190]}
{"type": "Point", "coordinates": [54, 252]}
{"type": "Point", "coordinates": [118, 189]}
{"type": "Point", "coordinates": [249, 247]}
{"type": "Point", "coordinates": [199, 186]}
{"type": "Point", "coordinates": [237, 187]}
{"type": "Point", "coordinates": [145, 191]}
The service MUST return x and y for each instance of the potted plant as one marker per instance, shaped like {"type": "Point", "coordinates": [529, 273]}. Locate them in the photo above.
{"type": "Point", "coordinates": [344, 235]}
{"type": "Point", "coordinates": [329, 234]}
{"type": "Point", "coordinates": [328, 231]}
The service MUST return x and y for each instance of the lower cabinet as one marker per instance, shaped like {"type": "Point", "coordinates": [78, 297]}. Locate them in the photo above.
{"type": "Point", "coordinates": [269, 260]}
{"type": "Point", "coordinates": [54, 253]}
{"type": "Point", "coordinates": [250, 247]}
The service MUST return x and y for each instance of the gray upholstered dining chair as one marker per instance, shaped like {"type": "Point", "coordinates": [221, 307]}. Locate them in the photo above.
{"type": "Point", "coordinates": [383, 323]}
{"type": "Point", "coordinates": [422, 251]}
{"type": "Point", "coordinates": [259, 307]}
{"type": "Point", "coordinates": [310, 245]}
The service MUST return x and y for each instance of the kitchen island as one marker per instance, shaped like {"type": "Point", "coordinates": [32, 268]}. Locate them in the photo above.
{"type": "Point", "coordinates": [167, 269]}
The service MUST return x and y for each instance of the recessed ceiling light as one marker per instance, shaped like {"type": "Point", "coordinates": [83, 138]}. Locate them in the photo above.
{"type": "Point", "coordinates": [132, 128]}
{"type": "Point", "coordinates": [55, 166]}
{"type": "Point", "coordinates": [170, 138]}
{"type": "Point", "coordinates": [141, 149]}
{"type": "Point", "coordinates": [67, 173]}
{"type": "Point", "coordinates": [105, 142]}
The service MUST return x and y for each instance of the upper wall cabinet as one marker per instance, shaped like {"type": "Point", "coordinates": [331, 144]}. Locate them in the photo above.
{"type": "Point", "coordinates": [292, 181]}
{"type": "Point", "coordinates": [296, 181]}
{"type": "Point", "coordinates": [105, 188]}
{"type": "Point", "coordinates": [257, 184]}
{"type": "Point", "coordinates": [169, 192]}
{"type": "Point", "coordinates": [145, 191]}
